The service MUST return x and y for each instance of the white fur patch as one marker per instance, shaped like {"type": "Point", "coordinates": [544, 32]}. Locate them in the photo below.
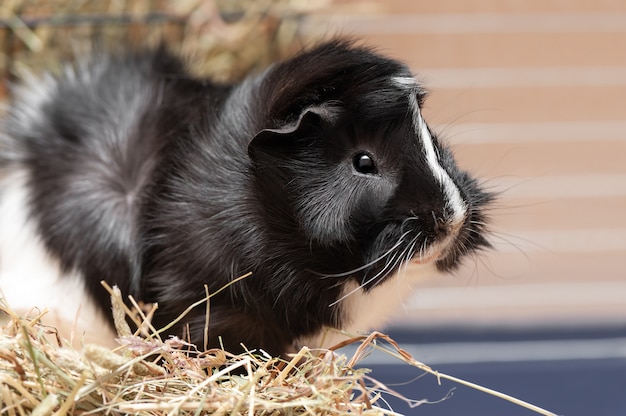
{"type": "Point", "coordinates": [30, 278]}
{"type": "Point", "coordinates": [453, 196]}
{"type": "Point", "coordinates": [407, 82]}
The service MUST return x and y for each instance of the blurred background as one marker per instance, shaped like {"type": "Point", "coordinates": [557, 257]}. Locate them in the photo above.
{"type": "Point", "coordinates": [531, 95]}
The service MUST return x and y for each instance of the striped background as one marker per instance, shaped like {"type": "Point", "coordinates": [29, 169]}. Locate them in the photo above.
{"type": "Point", "coordinates": [532, 96]}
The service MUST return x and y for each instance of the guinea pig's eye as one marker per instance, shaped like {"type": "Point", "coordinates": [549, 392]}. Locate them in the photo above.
{"type": "Point", "coordinates": [364, 163]}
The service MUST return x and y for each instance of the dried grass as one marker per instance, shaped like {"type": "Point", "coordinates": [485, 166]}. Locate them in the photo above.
{"type": "Point", "coordinates": [41, 374]}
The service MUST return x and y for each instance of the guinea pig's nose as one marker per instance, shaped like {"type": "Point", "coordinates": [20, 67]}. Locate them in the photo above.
{"type": "Point", "coordinates": [445, 227]}
{"type": "Point", "coordinates": [439, 224]}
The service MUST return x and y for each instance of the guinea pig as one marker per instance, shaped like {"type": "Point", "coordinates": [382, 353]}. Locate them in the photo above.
{"type": "Point", "coordinates": [319, 176]}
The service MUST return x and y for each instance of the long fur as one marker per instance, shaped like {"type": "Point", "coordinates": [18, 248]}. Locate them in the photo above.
{"type": "Point", "coordinates": [159, 182]}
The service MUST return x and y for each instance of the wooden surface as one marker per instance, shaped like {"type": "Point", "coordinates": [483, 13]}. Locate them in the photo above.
{"type": "Point", "coordinates": [532, 97]}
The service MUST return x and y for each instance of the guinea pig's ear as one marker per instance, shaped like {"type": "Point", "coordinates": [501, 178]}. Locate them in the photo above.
{"type": "Point", "coordinates": [311, 119]}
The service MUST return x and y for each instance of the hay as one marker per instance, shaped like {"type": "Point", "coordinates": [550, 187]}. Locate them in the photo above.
{"type": "Point", "coordinates": [41, 374]}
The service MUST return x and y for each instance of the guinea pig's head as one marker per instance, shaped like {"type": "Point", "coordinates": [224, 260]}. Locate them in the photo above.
{"type": "Point", "coordinates": [346, 162]}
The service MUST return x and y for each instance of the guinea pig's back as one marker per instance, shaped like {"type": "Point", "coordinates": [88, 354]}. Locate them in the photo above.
{"type": "Point", "coordinates": [77, 154]}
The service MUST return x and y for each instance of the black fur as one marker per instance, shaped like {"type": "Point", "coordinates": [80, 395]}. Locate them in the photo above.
{"type": "Point", "coordinates": [161, 183]}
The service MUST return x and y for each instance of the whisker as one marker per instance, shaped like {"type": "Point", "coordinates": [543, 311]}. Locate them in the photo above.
{"type": "Point", "coordinates": [406, 220]}
{"type": "Point", "coordinates": [422, 249]}
{"type": "Point", "coordinates": [368, 281]}
{"type": "Point", "coordinates": [408, 254]}
{"type": "Point", "coordinates": [507, 238]}
{"type": "Point", "coordinates": [410, 251]}
{"type": "Point", "coordinates": [402, 259]}
{"type": "Point", "coordinates": [480, 223]}
{"type": "Point", "coordinates": [513, 275]}
{"type": "Point", "coordinates": [365, 266]}
{"type": "Point", "coordinates": [386, 273]}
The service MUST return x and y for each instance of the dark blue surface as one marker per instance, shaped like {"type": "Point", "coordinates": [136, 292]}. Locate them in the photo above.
{"type": "Point", "coordinates": [580, 387]}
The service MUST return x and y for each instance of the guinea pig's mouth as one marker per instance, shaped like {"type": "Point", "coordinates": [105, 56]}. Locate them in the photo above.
{"type": "Point", "coordinates": [432, 254]}
{"type": "Point", "coordinates": [440, 247]}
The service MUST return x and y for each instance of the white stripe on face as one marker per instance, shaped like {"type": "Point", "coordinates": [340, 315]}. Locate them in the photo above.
{"type": "Point", "coordinates": [454, 201]}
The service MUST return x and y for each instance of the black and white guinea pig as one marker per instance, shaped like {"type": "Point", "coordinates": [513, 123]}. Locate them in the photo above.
{"type": "Point", "coordinates": [319, 176]}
